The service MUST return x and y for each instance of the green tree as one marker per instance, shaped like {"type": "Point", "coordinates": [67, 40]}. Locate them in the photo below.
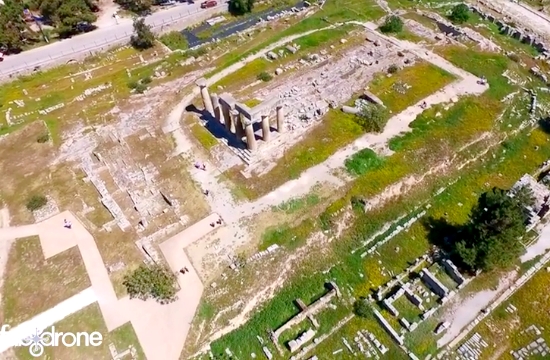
{"type": "Point", "coordinates": [240, 7]}
{"type": "Point", "coordinates": [492, 237]}
{"type": "Point", "coordinates": [392, 24]}
{"type": "Point", "coordinates": [143, 37]}
{"type": "Point", "coordinates": [66, 15]}
{"type": "Point", "coordinates": [362, 308]}
{"type": "Point", "coordinates": [151, 281]}
{"type": "Point", "coordinates": [136, 6]}
{"type": "Point", "coordinates": [372, 117]}
{"type": "Point", "coordinates": [460, 14]}
{"type": "Point", "coordinates": [13, 28]}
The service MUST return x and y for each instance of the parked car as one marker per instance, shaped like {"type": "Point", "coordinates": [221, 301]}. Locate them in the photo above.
{"type": "Point", "coordinates": [84, 26]}
{"type": "Point", "coordinates": [208, 4]}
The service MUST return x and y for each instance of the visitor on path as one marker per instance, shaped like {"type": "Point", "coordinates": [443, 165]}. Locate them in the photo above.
{"type": "Point", "coordinates": [219, 222]}
{"type": "Point", "coordinates": [182, 270]}
{"type": "Point", "coordinates": [186, 269]}
{"type": "Point", "coordinates": [206, 192]}
{"type": "Point", "coordinates": [67, 224]}
{"type": "Point", "coordinates": [203, 167]}
{"type": "Point", "coordinates": [212, 224]}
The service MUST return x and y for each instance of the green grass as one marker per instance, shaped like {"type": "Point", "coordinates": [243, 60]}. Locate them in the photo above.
{"type": "Point", "coordinates": [407, 310]}
{"type": "Point", "coordinates": [203, 136]}
{"type": "Point", "coordinates": [34, 285]}
{"type": "Point", "coordinates": [290, 238]}
{"type": "Point", "coordinates": [295, 205]}
{"type": "Point", "coordinates": [363, 161]}
{"type": "Point", "coordinates": [336, 130]}
{"type": "Point", "coordinates": [175, 40]}
{"type": "Point", "coordinates": [88, 320]}
{"type": "Point", "coordinates": [242, 342]}
{"type": "Point", "coordinates": [54, 86]}
{"type": "Point", "coordinates": [424, 78]}
{"type": "Point", "coordinates": [250, 71]}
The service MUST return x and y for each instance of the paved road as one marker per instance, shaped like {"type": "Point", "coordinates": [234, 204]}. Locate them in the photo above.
{"type": "Point", "coordinates": [64, 50]}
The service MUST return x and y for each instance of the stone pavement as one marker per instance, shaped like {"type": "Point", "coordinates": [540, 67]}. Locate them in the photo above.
{"type": "Point", "coordinates": [153, 323]}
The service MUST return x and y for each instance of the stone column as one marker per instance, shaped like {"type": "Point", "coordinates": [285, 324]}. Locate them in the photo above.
{"type": "Point", "coordinates": [216, 105]}
{"type": "Point", "coordinates": [226, 116]}
{"type": "Point", "coordinates": [265, 128]}
{"type": "Point", "coordinates": [280, 119]}
{"type": "Point", "coordinates": [239, 129]}
{"type": "Point", "coordinates": [250, 138]}
{"type": "Point", "coordinates": [206, 100]}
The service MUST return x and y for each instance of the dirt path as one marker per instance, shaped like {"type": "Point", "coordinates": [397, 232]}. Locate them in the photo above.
{"type": "Point", "coordinates": [465, 312]}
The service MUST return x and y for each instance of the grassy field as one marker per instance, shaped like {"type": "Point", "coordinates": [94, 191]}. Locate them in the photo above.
{"type": "Point", "coordinates": [34, 284]}
{"type": "Point", "coordinates": [424, 79]}
{"type": "Point", "coordinates": [88, 320]}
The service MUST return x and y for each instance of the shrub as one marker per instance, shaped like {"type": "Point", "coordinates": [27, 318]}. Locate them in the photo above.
{"type": "Point", "coordinates": [136, 6]}
{"type": "Point", "coordinates": [133, 84]}
{"type": "Point", "coordinates": [198, 52]}
{"type": "Point", "coordinates": [514, 57]}
{"type": "Point", "coordinates": [143, 37]}
{"type": "Point", "coordinates": [240, 7]}
{"type": "Point", "coordinates": [460, 14]}
{"type": "Point", "coordinates": [392, 24]}
{"type": "Point", "coordinates": [264, 76]}
{"type": "Point", "coordinates": [362, 162]}
{"type": "Point", "coordinates": [140, 88]}
{"type": "Point", "coordinates": [174, 40]}
{"type": "Point", "coordinates": [393, 69]}
{"type": "Point", "coordinates": [36, 202]}
{"type": "Point", "coordinates": [362, 308]}
{"type": "Point", "coordinates": [44, 138]}
{"type": "Point", "coordinates": [151, 282]}
{"type": "Point", "coordinates": [372, 118]}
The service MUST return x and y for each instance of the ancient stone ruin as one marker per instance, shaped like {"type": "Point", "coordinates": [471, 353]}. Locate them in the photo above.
{"type": "Point", "coordinates": [238, 118]}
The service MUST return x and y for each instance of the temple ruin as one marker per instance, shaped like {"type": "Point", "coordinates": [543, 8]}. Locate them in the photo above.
{"type": "Point", "coordinates": [238, 118]}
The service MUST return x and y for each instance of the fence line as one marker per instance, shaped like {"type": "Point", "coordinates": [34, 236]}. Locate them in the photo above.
{"type": "Point", "coordinates": [114, 40]}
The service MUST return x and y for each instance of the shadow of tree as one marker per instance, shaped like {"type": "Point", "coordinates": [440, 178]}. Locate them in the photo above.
{"type": "Point", "coordinates": [445, 236]}
{"type": "Point", "coordinates": [544, 124]}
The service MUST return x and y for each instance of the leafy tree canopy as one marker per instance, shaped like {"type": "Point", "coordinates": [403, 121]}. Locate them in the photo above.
{"type": "Point", "coordinates": [151, 281]}
{"type": "Point", "coordinates": [392, 24]}
{"type": "Point", "coordinates": [136, 6]}
{"type": "Point", "coordinates": [372, 118]}
{"type": "Point", "coordinates": [492, 237]}
{"type": "Point", "coordinates": [143, 37]}
{"type": "Point", "coordinates": [460, 14]}
{"type": "Point", "coordinates": [12, 26]}
{"type": "Point", "coordinates": [240, 7]}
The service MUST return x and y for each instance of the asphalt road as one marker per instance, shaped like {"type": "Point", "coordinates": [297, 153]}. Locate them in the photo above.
{"type": "Point", "coordinates": [100, 39]}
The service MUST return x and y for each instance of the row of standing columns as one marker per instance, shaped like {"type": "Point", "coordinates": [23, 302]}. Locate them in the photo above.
{"type": "Point", "coordinates": [233, 120]}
